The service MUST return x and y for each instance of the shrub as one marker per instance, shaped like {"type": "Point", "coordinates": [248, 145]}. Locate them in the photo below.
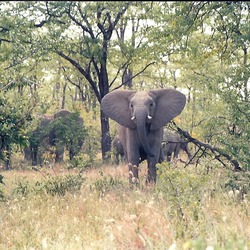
{"type": "Point", "coordinates": [106, 184]}
{"type": "Point", "coordinates": [183, 189]}
{"type": "Point", "coordinates": [57, 185]}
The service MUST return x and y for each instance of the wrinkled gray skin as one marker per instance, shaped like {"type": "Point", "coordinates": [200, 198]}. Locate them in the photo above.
{"type": "Point", "coordinates": [45, 136]}
{"type": "Point", "coordinates": [142, 116]}
{"type": "Point", "coordinates": [118, 150]}
{"type": "Point", "coordinates": [171, 146]}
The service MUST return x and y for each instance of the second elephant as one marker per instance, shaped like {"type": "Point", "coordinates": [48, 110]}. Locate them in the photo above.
{"type": "Point", "coordinates": [171, 146]}
{"type": "Point", "coordinates": [67, 132]}
{"type": "Point", "coordinates": [39, 140]}
{"type": "Point", "coordinates": [118, 150]}
{"type": "Point", "coordinates": [54, 134]}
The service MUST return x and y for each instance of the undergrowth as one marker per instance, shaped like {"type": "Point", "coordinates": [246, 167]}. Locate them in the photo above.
{"type": "Point", "coordinates": [188, 209]}
{"type": "Point", "coordinates": [51, 185]}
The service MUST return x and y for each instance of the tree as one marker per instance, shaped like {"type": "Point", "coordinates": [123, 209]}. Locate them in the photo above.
{"type": "Point", "coordinates": [212, 58]}
{"type": "Point", "coordinates": [88, 29]}
{"type": "Point", "coordinates": [14, 119]}
{"type": "Point", "coordinates": [198, 47]}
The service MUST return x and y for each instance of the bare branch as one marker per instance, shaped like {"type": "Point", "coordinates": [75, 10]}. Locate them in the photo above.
{"type": "Point", "coordinates": [74, 84]}
{"type": "Point", "coordinates": [218, 153]}
{"type": "Point", "coordinates": [135, 75]}
{"type": "Point", "coordinates": [83, 72]}
{"type": "Point", "coordinates": [124, 66]}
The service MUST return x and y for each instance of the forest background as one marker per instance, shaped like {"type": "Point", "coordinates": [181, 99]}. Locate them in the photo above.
{"type": "Point", "coordinates": [70, 54]}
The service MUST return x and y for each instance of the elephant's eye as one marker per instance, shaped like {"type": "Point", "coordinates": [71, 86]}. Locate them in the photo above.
{"type": "Point", "coordinates": [131, 105]}
{"type": "Point", "coordinates": [151, 104]}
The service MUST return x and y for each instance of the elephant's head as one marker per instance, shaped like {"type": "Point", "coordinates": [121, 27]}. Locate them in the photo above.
{"type": "Point", "coordinates": [143, 110]}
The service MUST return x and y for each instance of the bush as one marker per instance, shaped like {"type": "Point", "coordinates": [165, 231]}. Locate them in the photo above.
{"type": "Point", "coordinates": [106, 184]}
{"type": "Point", "coordinates": [57, 185]}
{"type": "Point", "coordinates": [238, 183]}
{"type": "Point", "coordinates": [182, 189]}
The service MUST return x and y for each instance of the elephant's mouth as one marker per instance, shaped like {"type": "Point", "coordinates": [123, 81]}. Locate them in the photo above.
{"type": "Point", "coordinates": [149, 118]}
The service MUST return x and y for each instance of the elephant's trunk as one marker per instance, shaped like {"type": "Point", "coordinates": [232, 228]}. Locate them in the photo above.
{"type": "Point", "coordinates": [141, 118]}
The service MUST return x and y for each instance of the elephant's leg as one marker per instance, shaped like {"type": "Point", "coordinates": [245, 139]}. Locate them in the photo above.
{"type": "Point", "coordinates": [186, 149]}
{"type": "Point", "coordinates": [34, 155]}
{"type": "Point", "coordinates": [59, 153]}
{"type": "Point", "coordinates": [151, 176]}
{"type": "Point", "coordinates": [27, 153]}
{"type": "Point", "coordinates": [169, 157]}
{"type": "Point", "coordinates": [168, 150]}
{"type": "Point", "coordinates": [59, 157]}
{"type": "Point", "coordinates": [133, 173]}
{"type": "Point", "coordinates": [71, 150]}
{"type": "Point", "coordinates": [161, 158]}
{"type": "Point", "coordinates": [176, 151]}
{"type": "Point", "coordinates": [74, 148]}
{"type": "Point", "coordinates": [116, 159]}
{"type": "Point", "coordinates": [152, 161]}
{"type": "Point", "coordinates": [133, 157]}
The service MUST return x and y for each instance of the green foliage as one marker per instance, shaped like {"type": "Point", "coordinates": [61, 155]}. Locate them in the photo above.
{"type": "Point", "coordinates": [69, 131]}
{"type": "Point", "coordinates": [58, 185]}
{"type": "Point", "coordinates": [236, 140]}
{"type": "Point", "coordinates": [238, 183]}
{"type": "Point", "coordinates": [182, 189]}
{"type": "Point", "coordinates": [92, 144]}
{"type": "Point", "coordinates": [195, 244]}
{"type": "Point", "coordinates": [14, 118]}
{"type": "Point", "coordinates": [187, 192]}
{"type": "Point", "coordinates": [198, 47]}
{"type": "Point", "coordinates": [106, 184]}
{"type": "Point", "coordinates": [80, 162]}
{"type": "Point", "coordinates": [54, 134]}
{"type": "Point", "coordinates": [23, 188]}
{"type": "Point", "coordinates": [2, 194]}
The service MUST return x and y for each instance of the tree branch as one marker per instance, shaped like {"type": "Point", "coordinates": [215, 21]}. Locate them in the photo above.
{"type": "Point", "coordinates": [135, 75]}
{"type": "Point", "coordinates": [83, 72]}
{"type": "Point", "coordinates": [218, 153]}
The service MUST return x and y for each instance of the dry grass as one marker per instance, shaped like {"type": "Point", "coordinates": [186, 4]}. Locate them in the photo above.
{"type": "Point", "coordinates": [118, 217]}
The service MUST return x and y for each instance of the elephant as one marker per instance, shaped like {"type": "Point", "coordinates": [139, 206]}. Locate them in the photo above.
{"type": "Point", "coordinates": [62, 130]}
{"type": "Point", "coordinates": [142, 115]}
{"type": "Point", "coordinates": [39, 140]}
{"type": "Point", "coordinates": [118, 150]}
{"type": "Point", "coordinates": [172, 144]}
{"type": "Point", "coordinates": [67, 132]}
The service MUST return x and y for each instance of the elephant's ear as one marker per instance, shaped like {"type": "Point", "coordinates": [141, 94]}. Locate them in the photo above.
{"type": "Point", "coordinates": [169, 104]}
{"type": "Point", "coordinates": [116, 106]}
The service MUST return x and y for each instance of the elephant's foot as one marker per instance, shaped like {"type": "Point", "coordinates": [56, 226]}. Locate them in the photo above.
{"type": "Point", "coordinates": [176, 160]}
{"type": "Point", "coordinates": [151, 178]}
{"type": "Point", "coordinates": [133, 175]}
{"type": "Point", "coordinates": [151, 173]}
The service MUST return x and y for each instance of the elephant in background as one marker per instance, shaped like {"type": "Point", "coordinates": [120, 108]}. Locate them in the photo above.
{"type": "Point", "coordinates": [67, 132]}
{"type": "Point", "coordinates": [39, 140]}
{"type": "Point", "coordinates": [118, 150]}
{"type": "Point", "coordinates": [142, 115]}
{"type": "Point", "coordinates": [171, 146]}
{"type": "Point", "coordinates": [54, 134]}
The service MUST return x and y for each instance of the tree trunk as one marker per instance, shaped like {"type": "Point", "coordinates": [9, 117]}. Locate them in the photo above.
{"type": "Point", "coordinates": [64, 95]}
{"type": "Point", "coordinates": [106, 141]}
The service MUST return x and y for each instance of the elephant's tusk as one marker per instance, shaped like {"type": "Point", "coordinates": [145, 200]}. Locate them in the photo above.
{"type": "Point", "coordinates": [133, 118]}
{"type": "Point", "coordinates": [149, 117]}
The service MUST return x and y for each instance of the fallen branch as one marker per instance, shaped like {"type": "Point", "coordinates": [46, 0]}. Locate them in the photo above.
{"type": "Point", "coordinates": [204, 147]}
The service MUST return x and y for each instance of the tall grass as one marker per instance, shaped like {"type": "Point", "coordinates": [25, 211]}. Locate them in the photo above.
{"type": "Point", "coordinates": [187, 209]}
